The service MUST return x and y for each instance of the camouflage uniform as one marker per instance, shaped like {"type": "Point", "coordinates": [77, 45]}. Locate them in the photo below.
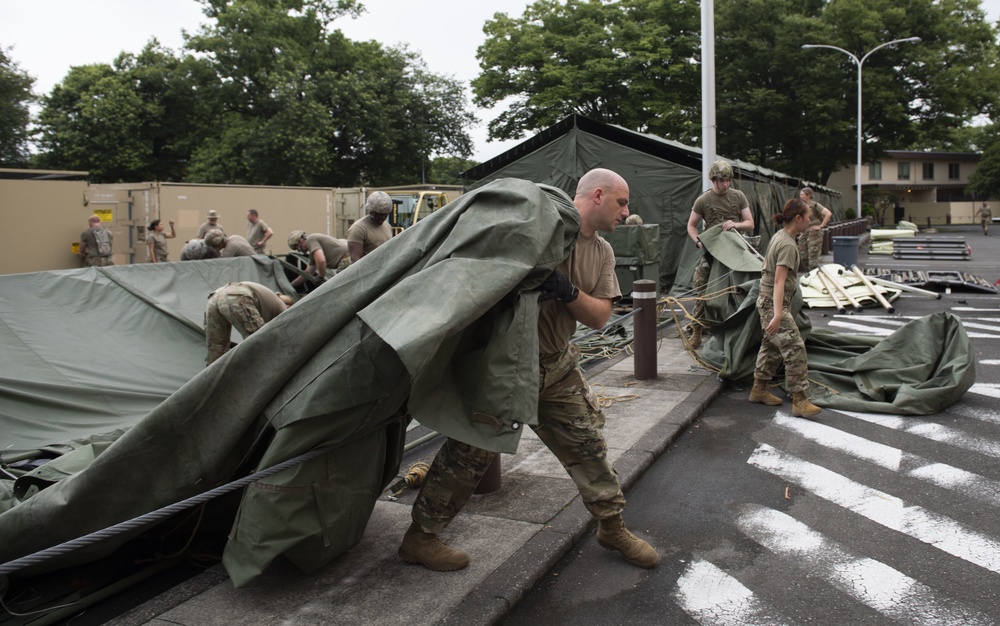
{"type": "Point", "coordinates": [986, 216]}
{"type": "Point", "coordinates": [247, 306]}
{"type": "Point", "coordinates": [811, 241]}
{"type": "Point", "coordinates": [715, 209]}
{"type": "Point", "coordinates": [786, 345]}
{"type": "Point", "coordinates": [570, 423]}
{"type": "Point", "coordinates": [91, 240]}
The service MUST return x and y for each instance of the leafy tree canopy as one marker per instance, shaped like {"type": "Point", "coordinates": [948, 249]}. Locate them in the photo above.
{"type": "Point", "coordinates": [636, 63]}
{"type": "Point", "coordinates": [267, 93]}
{"type": "Point", "coordinates": [15, 98]}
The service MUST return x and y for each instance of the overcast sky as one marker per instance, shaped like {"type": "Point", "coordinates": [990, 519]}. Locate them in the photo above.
{"type": "Point", "coordinates": [50, 36]}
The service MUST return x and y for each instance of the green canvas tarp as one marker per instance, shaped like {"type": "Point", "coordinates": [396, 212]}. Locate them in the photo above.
{"type": "Point", "coordinates": [439, 323]}
{"type": "Point", "coordinates": [923, 367]}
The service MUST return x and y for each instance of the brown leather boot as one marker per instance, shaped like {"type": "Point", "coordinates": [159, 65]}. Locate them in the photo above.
{"type": "Point", "coordinates": [425, 549]}
{"type": "Point", "coordinates": [760, 394]}
{"type": "Point", "coordinates": [802, 407]}
{"type": "Point", "coordinates": [612, 535]}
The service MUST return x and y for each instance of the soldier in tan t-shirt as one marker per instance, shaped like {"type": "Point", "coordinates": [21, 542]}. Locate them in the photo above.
{"type": "Point", "coordinates": [570, 421]}
{"type": "Point", "coordinates": [372, 230]}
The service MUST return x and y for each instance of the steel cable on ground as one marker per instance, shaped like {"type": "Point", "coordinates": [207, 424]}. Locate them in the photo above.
{"type": "Point", "coordinates": [171, 509]}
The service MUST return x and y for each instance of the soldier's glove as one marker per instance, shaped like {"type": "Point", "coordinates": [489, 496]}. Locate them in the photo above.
{"type": "Point", "coordinates": [558, 287]}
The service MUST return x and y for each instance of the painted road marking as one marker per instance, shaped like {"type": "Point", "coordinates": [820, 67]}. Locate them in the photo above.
{"type": "Point", "coordinates": [873, 583]}
{"type": "Point", "coordinates": [882, 508]}
{"type": "Point", "coordinates": [714, 598]}
{"type": "Point", "coordinates": [945, 476]}
{"type": "Point", "coordinates": [932, 431]}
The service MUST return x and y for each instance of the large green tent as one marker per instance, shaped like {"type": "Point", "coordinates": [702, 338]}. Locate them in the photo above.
{"type": "Point", "coordinates": [664, 179]}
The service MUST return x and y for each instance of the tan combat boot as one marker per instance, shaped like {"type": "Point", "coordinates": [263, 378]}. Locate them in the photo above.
{"type": "Point", "coordinates": [802, 407]}
{"type": "Point", "coordinates": [760, 394]}
{"type": "Point", "coordinates": [612, 535]}
{"type": "Point", "coordinates": [425, 549]}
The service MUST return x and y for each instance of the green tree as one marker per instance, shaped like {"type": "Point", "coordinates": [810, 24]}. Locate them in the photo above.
{"type": "Point", "coordinates": [636, 63]}
{"type": "Point", "coordinates": [985, 181]}
{"type": "Point", "coordinates": [15, 98]}
{"type": "Point", "coordinates": [628, 63]}
{"type": "Point", "coordinates": [448, 170]}
{"type": "Point", "coordinates": [302, 105]}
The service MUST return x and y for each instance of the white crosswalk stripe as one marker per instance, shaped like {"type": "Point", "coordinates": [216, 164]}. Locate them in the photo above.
{"type": "Point", "coordinates": [713, 596]}
{"type": "Point", "coordinates": [871, 582]}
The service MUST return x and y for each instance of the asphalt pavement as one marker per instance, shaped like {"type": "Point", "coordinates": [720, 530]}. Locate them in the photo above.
{"type": "Point", "coordinates": [514, 535]}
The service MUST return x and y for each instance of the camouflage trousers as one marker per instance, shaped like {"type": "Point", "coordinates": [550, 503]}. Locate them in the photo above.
{"type": "Point", "coordinates": [570, 424]}
{"type": "Point", "coordinates": [986, 224]}
{"type": "Point", "coordinates": [98, 261]}
{"type": "Point", "coordinates": [232, 306]}
{"type": "Point", "coordinates": [810, 249]}
{"type": "Point", "coordinates": [786, 346]}
{"type": "Point", "coordinates": [699, 281]}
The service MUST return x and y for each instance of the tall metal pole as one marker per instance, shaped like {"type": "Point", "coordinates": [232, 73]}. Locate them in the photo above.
{"type": "Point", "coordinates": [708, 125]}
{"type": "Point", "coordinates": [860, 63]}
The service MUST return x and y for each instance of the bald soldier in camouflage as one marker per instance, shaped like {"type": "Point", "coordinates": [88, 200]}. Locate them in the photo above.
{"type": "Point", "coordinates": [811, 241]}
{"type": "Point", "coordinates": [570, 423]}
{"type": "Point", "coordinates": [246, 306]}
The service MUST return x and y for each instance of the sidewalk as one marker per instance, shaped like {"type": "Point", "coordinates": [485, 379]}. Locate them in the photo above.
{"type": "Point", "coordinates": [513, 536]}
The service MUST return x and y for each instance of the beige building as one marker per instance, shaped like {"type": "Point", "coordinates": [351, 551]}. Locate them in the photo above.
{"type": "Point", "coordinates": [929, 187]}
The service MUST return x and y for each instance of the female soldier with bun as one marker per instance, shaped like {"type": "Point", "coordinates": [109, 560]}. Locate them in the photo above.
{"type": "Point", "coordinates": [782, 341]}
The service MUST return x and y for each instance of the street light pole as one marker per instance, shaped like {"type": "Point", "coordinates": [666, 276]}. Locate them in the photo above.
{"type": "Point", "coordinates": [860, 62]}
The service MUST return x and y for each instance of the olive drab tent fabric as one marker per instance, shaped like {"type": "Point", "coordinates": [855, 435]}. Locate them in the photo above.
{"type": "Point", "coordinates": [921, 368]}
{"type": "Point", "coordinates": [439, 323]}
{"type": "Point", "coordinates": [664, 180]}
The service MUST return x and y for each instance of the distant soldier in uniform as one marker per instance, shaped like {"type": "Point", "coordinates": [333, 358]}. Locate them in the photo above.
{"type": "Point", "coordinates": [230, 246]}
{"type": "Point", "coordinates": [372, 230]}
{"type": "Point", "coordinates": [257, 231]}
{"type": "Point", "coordinates": [325, 253]}
{"type": "Point", "coordinates": [211, 224]}
{"type": "Point", "coordinates": [246, 306]}
{"type": "Point", "coordinates": [196, 250]}
{"type": "Point", "coordinates": [782, 341]}
{"type": "Point", "coordinates": [95, 244]}
{"type": "Point", "coordinates": [569, 420]}
{"type": "Point", "coordinates": [156, 241]}
{"type": "Point", "coordinates": [985, 216]}
{"type": "Point", "coordinates": [719, 205]}
{"type": "Point", "coordinates": [811, 241]}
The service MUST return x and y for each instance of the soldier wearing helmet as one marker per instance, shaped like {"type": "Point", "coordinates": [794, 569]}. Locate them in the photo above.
{"type": "Point", "coordinates": [324, 252]}
{"type": "Point", "coordinates": [372, 230]}
{"type": "Point", "coordinates": [719, 206]}
{"type": "Point", "coordinates": [230, 246]}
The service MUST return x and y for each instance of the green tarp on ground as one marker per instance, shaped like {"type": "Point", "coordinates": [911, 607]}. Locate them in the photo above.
{"type": "Point", "coordinates": [439, 322]}
{"type": "Point", "coordinates": [923, 367]}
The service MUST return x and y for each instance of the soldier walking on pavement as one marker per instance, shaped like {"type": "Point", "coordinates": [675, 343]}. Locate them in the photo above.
{"type": "Point", "coordinates": [811, 241]}
{"type": "Point", "coordinates": [782, 341]}
{"type": "Point", "coordinates": [570, 422]}
{"type": "Point", "coordinates": [247, 306]}
{"type": "Point", "coordinates": [985, 217]}
{"type": "Point", "coordinates": [719, 205]}
{"type": "Point", "coordinates": [95, 244]}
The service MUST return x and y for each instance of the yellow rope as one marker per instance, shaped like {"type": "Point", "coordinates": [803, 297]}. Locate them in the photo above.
{"type": "Point", "coordinates": [604, 401]}
{"type": "Point", "coordinates": [415, 477]}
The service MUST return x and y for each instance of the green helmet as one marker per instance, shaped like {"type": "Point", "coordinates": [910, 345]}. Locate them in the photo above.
{"type": "Point", "coordinates": [214, 238]}
{"type": "Point", "coordinates": [294, 237]}
{"type": "Point", "coordinates": [720, 169]}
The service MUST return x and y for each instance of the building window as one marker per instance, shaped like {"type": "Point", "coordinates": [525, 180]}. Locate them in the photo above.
{"type": "Point", "coordinates": [928, 171]}
{"type": "Point", "coordinates": [954, 173]}
{"type": "Point", "coordinates": [875, 170]}
{"type": "Point", "coordinates": [904, 171]}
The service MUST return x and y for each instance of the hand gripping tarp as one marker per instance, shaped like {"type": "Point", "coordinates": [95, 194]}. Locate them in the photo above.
{"type": "Point", "coordinates": [443, 317]}
{"type": "Point", "coordinates": [923, 367]}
